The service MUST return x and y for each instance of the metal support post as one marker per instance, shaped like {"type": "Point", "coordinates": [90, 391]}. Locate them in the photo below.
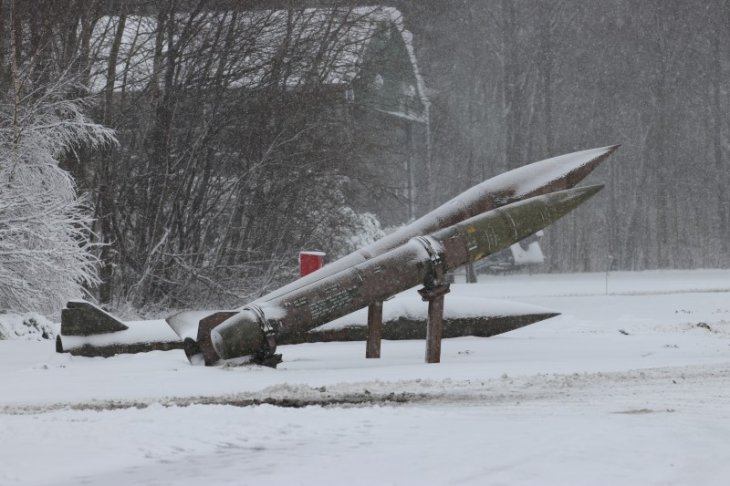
{"type": "Point", "coordinates": [375, 330]}
{"type": "Point", "coordinates": [434, 327]}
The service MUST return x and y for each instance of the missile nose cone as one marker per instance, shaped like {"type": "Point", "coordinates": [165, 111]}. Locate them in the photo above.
{"type": "Point", "coordinates": [581, 194]}
{"type": "Point", "coordinates": [554, 174]}
{"type": "Point", "coordinates": [601, 154]}
{"type": "Point", "coordinates": [563, 202]}
{"type": "Point", "coordinates": [528, 216]}
{"type": "Point", "coordinates": [609, 149]}
{"type": "Point", "coordinates": [592, 159]}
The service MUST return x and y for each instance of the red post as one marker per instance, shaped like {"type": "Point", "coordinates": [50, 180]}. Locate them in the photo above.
{"type": "Point", "coordinates": [310, 261]}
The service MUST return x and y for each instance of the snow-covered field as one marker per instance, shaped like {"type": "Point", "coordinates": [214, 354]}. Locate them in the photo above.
{"type": "Point", "coordinates": [631, 385]}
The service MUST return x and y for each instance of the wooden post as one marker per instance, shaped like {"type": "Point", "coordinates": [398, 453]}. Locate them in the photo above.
{"type": "Point", "coordinates": [471, 274]}
{"type": "Point", "coordinates": [375, 330]}
{"type": "Point", "coordinates": [434, 326]}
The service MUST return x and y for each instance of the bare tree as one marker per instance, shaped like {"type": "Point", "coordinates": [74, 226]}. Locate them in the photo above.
{"type": "Point", "coordinates": [45, 250]}
{"type": "Point", "coordinates": [235, 151]}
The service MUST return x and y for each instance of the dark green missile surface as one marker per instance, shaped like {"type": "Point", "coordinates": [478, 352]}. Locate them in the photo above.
{"type": "Point", "coordinates": [495, 230]}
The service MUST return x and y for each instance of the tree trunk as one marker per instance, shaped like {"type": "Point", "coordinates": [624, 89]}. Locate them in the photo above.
{"type": "Point", "coordinates": [105, 199]}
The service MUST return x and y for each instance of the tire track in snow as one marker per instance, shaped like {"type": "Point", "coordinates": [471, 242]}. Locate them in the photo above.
{"type": "Point", "coordinates": [674, 383]}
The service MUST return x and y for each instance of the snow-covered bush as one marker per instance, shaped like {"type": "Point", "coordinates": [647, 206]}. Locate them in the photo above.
{"type": "Point", "coordinates": [29, 327]}
{"type": "Point", "coordinates": [331, 224]}
{"type": "Point", "coordinates": [44, 223]}
{"type": "Point", "coordinates": [366, 230]}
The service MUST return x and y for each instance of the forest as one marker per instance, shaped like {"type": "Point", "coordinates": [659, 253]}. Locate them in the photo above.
{"type": "Point", "coordinates": [177, 153]}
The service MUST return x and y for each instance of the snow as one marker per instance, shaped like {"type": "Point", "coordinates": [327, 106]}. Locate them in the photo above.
{"type": "Point", "coordinates": [313, 253]}
{"type": "Point", "coordinates": [185, 323]}
{"type": "Point", "coordinates": [531, 256]}
{"type": "Point", "coordinates": [262, 34]}
{"type": "Point", "coordinates": [28, 326]}
{"type": "Point", "coordinates": [630, 385]}
{"type": "Point", "coordinates": [397, 18]}
{"type": "Point", "coordinates": [545, 171]}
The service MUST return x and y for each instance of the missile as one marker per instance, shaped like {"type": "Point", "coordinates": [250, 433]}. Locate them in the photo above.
{"type": "Point", "coordinates": [545, 176]}
{"type": "Point", "coordinates": [253, 330]}
{"type": "Point", "coordinates": [193, 327]}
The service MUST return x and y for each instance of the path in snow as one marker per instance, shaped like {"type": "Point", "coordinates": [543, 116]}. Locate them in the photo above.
{"type": "Point", "coordinates": [624, 388]}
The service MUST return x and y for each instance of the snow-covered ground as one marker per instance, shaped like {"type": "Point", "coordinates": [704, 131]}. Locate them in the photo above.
{"type": "Point", "coordinates": [630, 385]}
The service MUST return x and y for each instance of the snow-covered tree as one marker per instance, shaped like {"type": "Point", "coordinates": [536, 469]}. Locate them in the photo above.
{"type": "Point", "coordinates": [45, 255]}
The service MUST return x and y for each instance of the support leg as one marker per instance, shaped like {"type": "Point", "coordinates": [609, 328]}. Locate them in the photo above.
{"type": "Point", "coordinates": [375, 330]}
{"type": "Point", "coordinates": [434, 329]}
{"type": "Point", "coordinates": [471, 274]}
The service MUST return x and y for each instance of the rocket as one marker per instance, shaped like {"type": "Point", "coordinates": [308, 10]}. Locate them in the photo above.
{"type": "Point", "coordinates": [403, 259]}
{"type": "Point", "coordinates": [424, 259]}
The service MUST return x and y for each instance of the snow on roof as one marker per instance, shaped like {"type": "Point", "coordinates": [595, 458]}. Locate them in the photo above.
{"type": "Point", "coordinates": [247, 49]}
{"type": "Point", "coordinates": [397, 19]}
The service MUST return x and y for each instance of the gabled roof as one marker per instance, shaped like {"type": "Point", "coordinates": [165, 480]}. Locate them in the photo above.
{"type": "Point", "coordinates": [250, 49]}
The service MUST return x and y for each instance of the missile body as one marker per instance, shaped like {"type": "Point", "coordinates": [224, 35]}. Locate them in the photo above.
{"type": "Point", "coordinates": [421, 260]}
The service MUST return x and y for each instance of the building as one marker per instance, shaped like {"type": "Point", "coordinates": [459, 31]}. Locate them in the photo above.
{"type": "Point", "coordinates": [357, 65]}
